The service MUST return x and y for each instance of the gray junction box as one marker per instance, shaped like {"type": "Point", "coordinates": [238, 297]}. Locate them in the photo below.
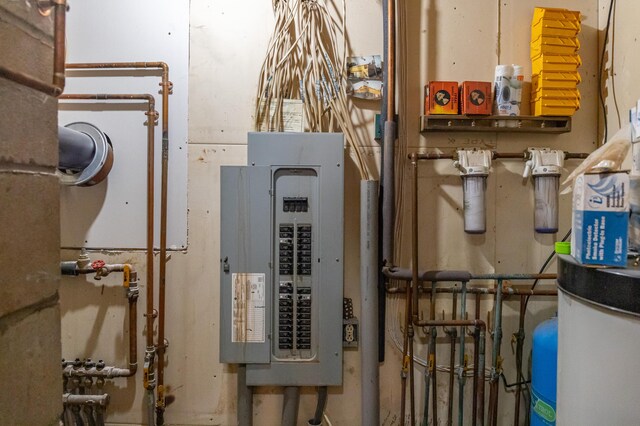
{"type": "Point", "coordinates": [281, 275]}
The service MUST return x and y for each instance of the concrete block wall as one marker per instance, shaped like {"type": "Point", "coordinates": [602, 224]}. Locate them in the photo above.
{"type": "Point", "coordinates": [30, 231]}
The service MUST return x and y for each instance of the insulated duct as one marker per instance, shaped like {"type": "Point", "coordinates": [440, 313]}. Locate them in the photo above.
{"type": "Point", "coordinates": [85, 154]}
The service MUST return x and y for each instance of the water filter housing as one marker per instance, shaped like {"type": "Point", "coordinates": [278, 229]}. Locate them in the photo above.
{"type": "Point", "coordinates": [474, 165]}
{"type": "Point", "coordinates": [545, 165]}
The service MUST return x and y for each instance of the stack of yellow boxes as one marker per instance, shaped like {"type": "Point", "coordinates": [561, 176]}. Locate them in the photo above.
{"type": "Point", "coordinates": [555, 62]}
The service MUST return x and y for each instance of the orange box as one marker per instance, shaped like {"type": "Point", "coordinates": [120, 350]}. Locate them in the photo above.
{"type": "Point", "coordinates": [475, 97]}
{"type": "Point", "coordinates": [441, 97]}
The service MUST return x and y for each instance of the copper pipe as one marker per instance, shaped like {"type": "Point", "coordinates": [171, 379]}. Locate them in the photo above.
{"type": "Point", "coordinates": [481, 325]}
{"type": "Point", "coordinates": [411, 375]}
{"type": "Point", "coordinates": [520, 340]}
{"type": "Point", "coordinates": [130, 282]}
{"type": "Point", "coordinates": [406, 274]}
{"type": "Point", "coordinates": [511, 291]}
{"type": "Point", "coordinates": [133, 322]}
{"type": "Point", "coordinates": [406, 360]}
{"type": "Point", "coordinates": [59, 51]}
{"type": "Point", "coordinates": [151, 118]}
{"type": "Point", "coordinates": [474, 410]}
{"type": "Point", "coordinates": [453, 334]}
{"type": "Point", "coordinates": [28, 81]}
{"type": "Point", "coordinates": [495, 155]}
{"type": "Point", "coordinates": [496, 360]}
{"type": "Point", "coordinates": [433, 334]}
{"type": "Point", "coordinates": [59, 41]}
{"type": "Point", "coordinates": [167, 88]}
{"type": "Point", "coordinates": [391, 61]}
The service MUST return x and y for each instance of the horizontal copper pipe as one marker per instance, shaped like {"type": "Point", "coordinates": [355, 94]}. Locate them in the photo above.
{"type": "Point", "coordinates": [56, 87]}
{"type": "Point", "coordinates": [510, 291]}
{"type": "Point", "coordinates": [496, 155]}
{"type": "Point", "coordinates": [110, 97]}
{"type": "Point", "coordinates": [406, 274]}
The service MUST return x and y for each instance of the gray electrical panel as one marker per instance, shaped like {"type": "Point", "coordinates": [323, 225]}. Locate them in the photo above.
{"type": "Point", "coordinates": [281, 286]}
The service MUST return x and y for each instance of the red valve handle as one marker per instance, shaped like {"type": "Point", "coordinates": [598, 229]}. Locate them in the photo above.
{"type": "Point", "coordinates": [97, 264]}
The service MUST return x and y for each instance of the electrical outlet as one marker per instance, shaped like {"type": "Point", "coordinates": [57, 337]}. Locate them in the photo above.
{"type": "Point", "coordinates": [350, 333]}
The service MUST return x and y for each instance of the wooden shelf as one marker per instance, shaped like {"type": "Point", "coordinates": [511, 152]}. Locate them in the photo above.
{"type": "Point", "coordinates": [490, 123]}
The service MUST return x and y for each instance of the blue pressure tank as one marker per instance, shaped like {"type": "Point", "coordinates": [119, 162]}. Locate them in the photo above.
{"type": "Point", "coordinates": [544, 370]}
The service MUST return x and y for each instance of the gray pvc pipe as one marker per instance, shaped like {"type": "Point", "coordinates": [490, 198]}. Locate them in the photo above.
{"type": "Point", "coordinates": [388, 193]}
{"type": "Point", "coordinates": [290, 406]}
{"type": "Point", "coordinates": [75, 149]}
{"type": "Point", "coordinates": [370, 388]}
{"type": "Point", "coordinates": [245, 398]}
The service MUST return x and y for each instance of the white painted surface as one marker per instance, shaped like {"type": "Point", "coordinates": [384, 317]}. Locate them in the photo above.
{"type": "Point", "coordinates": [112, 214]}
{"type": "Point", "coordinates": [597, 365]}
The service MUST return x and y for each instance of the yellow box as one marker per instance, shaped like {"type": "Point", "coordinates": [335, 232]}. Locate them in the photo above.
{"type": "Point", "coordinates": [555, 107]}
{"type": "Point", "coordinates": [554, 45]}
{"type": "Point", "coordinates": [555, 80]}
{"type": "Point", "coordinates": [564, 94]}
{"type": "Point", "coordinates": [555, 28]}
{"type": "Point", "coordinates": [540, 13]}
{"type": "Point", "coordinates": [555, 63]}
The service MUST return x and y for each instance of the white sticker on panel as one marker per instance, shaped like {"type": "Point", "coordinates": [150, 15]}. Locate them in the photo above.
{"type": "Point", "coordinates": [248, 308]}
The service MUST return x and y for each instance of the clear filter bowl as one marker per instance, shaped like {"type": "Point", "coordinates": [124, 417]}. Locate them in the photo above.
{"type": "Point", "coordinates": [546, 200]}
{"type": "Point", "coordinates": [474, 188]}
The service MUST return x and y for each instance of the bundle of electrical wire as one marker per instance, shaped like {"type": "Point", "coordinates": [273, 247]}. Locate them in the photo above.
{"type": "Point", "coordinates": [304, 61]}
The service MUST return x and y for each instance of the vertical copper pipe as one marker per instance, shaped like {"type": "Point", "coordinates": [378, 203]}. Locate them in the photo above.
{"type": "Point", "coordinates": [391, 62]}
{"type": "Point", "coordinates": [475, 360]}
{"type": "Point", "coordinates": [166, 88]}
{"type": "Point", "coordinates": [59, 41]}
{"type": "Point", "coordinates": [414, 241]}
{"type": "Point", "coordinates": [433, 334]}
{"type": "Point", "coordinates": [133, 322]}
{"type": "Point", "coordinates": [519, 339]}
{"type": "Point", "coordinates": [480, 375]}
{"type": "Point", "coordinates": [452, 366]}
{"type": "Point", "coordinates": [495, 362]}
{"type": "Point", "coordinates": [410, 306]}
{"type": "Point", "coordinates": [150, 224]}
{"type": "Point", "coordinates": [411, 376]}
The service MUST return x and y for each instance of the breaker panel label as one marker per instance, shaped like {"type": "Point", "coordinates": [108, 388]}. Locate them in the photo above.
{"type": "Point", "coordinates": [248, 308]}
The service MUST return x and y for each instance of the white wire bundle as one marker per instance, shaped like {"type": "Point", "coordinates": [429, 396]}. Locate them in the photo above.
{"type": "Point", "coordinates": [304, 61]}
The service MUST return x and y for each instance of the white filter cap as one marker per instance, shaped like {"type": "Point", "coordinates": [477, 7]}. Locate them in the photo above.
{"type": "Point", "coordinates": [517, 70]}
{"type": "Point", "coordinates": [504, 71]}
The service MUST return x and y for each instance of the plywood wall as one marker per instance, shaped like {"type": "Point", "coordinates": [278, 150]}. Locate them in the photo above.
{"type": "Point", "coordinates": [454, 39]}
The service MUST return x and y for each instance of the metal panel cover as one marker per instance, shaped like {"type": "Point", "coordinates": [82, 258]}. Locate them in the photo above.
{"type": "Point", "coordinates": [245, 253]}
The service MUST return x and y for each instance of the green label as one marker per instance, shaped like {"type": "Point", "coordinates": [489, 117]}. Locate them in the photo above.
{"type": "Point", "coordinates": [546, 411]}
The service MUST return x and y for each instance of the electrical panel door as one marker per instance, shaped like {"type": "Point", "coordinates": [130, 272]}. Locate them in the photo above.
{"type": "Point", "coordinates": [245, 281]}
{"type": "Point", "coordinates": [305, 273]}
